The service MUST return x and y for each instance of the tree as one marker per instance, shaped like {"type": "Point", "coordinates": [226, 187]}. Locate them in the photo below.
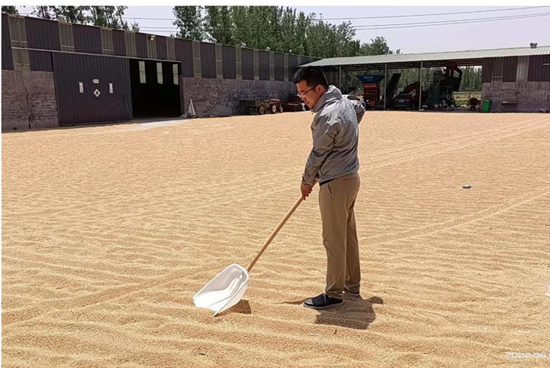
{"type": "Point", "coordinates": [189, 21]}
{"type": "Point", "coordinates": [288, 29]}
{"type": "Point", "coordinates": [9, 10]}
{"type": "Point", "coordinates": [317, 42]}
{"type": "Point", "coordinates": [239, 14]}
{"type": "Point", "coordinates": [274, 28]}
{"type": "Point", "coordinates": [378, 46]}
{"type": "Point", "coordinates": [101, 16]}
{"type": "Point", "coordinates": [219, 24]}
{"type": "Point", "coordinates": [471, 79]}
{"type": "Point", "coordinates": [253, 27]}
{"type": "Point", "coordinates": [346, 45]}
{"type": "Point", "coordinates": [72, 14]}
{"type": "Point", "coordinates": [134, 27]}
{"type": "Point", "coordinates": [302, 25]}
{"type": "Point", "coordinates": [108, 16]}
{"type": "Point", "coordinates": [43, 12]}
{"type": "Point", "coordinates": [259, 28]}
{"type": "Point", "coordinates": [275, 36]}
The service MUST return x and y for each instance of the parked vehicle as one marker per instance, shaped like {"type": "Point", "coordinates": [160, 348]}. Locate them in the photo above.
{"type": "Point", "coordinates": [294, 103]}
{"type": "Point", "coordinates": [273, 106]}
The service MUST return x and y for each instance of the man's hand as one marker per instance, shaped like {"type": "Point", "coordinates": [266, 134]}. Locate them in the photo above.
{"type": "Point", "coordinates": [306, 190]}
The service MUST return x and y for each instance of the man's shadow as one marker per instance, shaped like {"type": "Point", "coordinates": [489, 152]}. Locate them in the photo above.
{"type": "Point", "coordinates": [356, 313]}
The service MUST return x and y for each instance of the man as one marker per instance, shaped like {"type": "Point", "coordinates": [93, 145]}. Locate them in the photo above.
{"type": "Point", "coordinates": [333, 163]}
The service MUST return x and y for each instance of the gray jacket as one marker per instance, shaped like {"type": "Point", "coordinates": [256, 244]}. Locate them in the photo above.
{"type": "Point", "coordinates": [335, 138]}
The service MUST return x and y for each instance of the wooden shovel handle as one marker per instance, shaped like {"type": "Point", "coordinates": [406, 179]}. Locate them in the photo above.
{"type": "Point", "coordinates": [274, 233]}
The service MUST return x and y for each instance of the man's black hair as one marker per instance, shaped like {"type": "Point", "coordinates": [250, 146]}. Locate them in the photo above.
{"type": "Point", "coordinates": [313, 75]}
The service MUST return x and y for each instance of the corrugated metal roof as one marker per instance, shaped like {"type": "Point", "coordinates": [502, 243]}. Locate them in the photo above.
{"type": "Point", "coordinates": [432, 56]}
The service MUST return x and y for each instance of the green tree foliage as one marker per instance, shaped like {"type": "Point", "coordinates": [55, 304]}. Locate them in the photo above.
{"type": "Point", "coordinates": [260, 33]}
{"type": "Point", "coordinates": [377, 46]}
{"type": "Point", "coordinates": [241, 35]}
{"type": "Point", "coordinates": [302, 24]}
{"type": "Point", "coordinates": [9, 10]}
{"type": "Point", "coordinates": [101, 16]}
{"type": "Point", "coordinates": [108, 16]}
{"type": "Point", "coordinates": [44, 12]}
{"type": "Point", "coordinates": [289, 41]}
{"type": "Point", "coordinates": [272, 28]}
{"type": "Point", "coordinates": [190, 22]}
{"type": "Point", "coordinates": [317, 39]}
{"type": "Point", "coordinates": [471, 79]}
{"type": "Point", "coordinates": [219, 24]}
{"type": "Point", "coordinates": [72, 14]}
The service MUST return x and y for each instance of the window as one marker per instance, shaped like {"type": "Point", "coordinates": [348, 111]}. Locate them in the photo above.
{"type": "Point", "coordinates": [142, 78]}
{"type": "Point", "coordinates": [159, 73]}
{"type": "Point", "coordinates": [176, 74]}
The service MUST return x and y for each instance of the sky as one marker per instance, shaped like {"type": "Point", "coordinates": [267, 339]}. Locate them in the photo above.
{"type": "Point", "coordinates": [454, 37]}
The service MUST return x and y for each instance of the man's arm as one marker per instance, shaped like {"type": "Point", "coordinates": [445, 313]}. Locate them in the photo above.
{"type": "Point", "coordinates": [323, 143]}
{"type": "Point", "coordinates": [359, 109]}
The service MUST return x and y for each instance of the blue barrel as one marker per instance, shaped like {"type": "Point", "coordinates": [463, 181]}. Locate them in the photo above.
{"type": "Point", "coordinates": [370, 78]}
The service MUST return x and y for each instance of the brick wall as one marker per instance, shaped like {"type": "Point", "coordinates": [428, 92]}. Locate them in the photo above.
{"type": "Point", "coordinates": [220, 97]}
{"type": "Point", "coordinates": [28, 100]}
{"type": "Point", "coordinates": [530, 96]}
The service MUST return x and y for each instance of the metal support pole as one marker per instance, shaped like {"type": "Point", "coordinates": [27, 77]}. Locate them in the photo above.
{"type": "Point", "coordinates": [385, 83]}
{"type": "Point", "coordinates": [340, 77]}
{"type": "Point", "coordinates": [420, 88]}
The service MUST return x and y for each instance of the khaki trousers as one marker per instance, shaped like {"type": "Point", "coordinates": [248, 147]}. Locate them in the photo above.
{"type": "Point", "coordinates": [336, 202]}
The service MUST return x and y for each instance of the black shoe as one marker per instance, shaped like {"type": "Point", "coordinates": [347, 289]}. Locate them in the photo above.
{"type": "Point", "coordinates": [352, 293]}
{"type": "Point", "coordinates": [322, 301]}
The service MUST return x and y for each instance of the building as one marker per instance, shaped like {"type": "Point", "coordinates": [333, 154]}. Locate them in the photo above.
{"type": "Point", "coordinates": [514, 79]}
{"type": "Point", "coordinates": [57, 74]}
{"type": "Point", "coordinates": [61, 74]}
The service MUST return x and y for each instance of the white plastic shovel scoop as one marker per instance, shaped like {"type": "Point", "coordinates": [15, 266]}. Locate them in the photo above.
{"type": "Point", "coordinates": [228, 287]}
